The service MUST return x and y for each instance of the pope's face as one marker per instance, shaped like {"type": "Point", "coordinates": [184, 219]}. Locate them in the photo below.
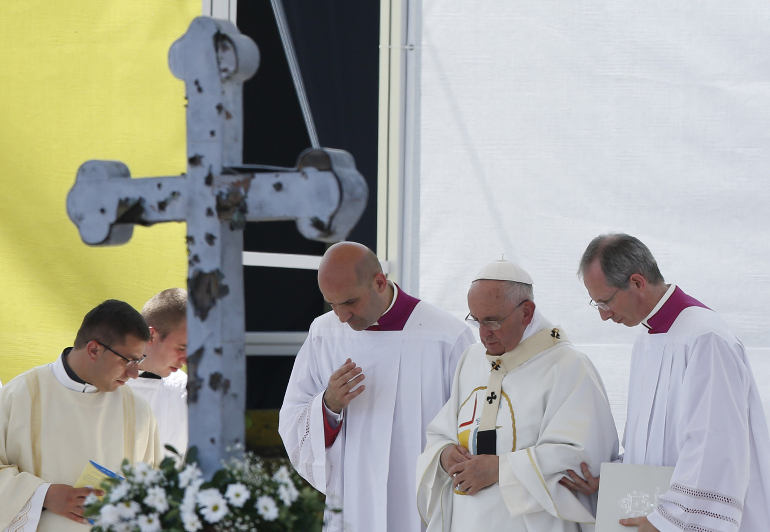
{"type": "Point", "coordinates": [624, 307]}
{"type": "Point", "coordinates": [487, 301]}
{"type": "Point", "coordinates": [110, 371]}
{"type": "Point", "coordinates": [358, 305]}
{"type": "Point", "coordinates": [167, 355]}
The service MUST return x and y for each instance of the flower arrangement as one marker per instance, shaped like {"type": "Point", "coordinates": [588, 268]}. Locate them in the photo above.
{"type": "Point", "coordinates": [247, 494]}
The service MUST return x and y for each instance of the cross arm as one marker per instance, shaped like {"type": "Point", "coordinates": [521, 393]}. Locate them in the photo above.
{"type": "Point", "coordinates": [105, 203]}
{"type": "Point", "coordinates": [325, 194]}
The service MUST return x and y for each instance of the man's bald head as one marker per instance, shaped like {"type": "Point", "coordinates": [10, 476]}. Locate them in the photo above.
{"type": "Point", "coordinates": [350, 263]}
{"type": "Point", "coordinates": [351, 280]}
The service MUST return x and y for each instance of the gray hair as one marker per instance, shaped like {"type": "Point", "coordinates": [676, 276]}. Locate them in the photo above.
{"type": "Point", "coordinates": [518, 292]}
{"type": "Point", "coordinates": [620, 256]}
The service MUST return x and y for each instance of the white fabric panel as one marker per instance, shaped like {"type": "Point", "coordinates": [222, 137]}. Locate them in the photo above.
{"type": "Point", "coordinates": [544, 124]}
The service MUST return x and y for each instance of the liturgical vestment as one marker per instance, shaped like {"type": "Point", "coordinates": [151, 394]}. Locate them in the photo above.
{"type": "Point", "coordinates": [553, 414]}
{"type": "Point", "coordinates": [693, 404]}
{"type": "Point", "coordinates": [168, 399]}
{"type": "Point", "coordinates": [408, 363]}
{"type": "Point", "coordinates": [49, 432]}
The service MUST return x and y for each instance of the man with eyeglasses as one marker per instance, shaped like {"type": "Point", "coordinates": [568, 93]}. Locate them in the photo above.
{"type": "Point", "coordinates": [692, 401]}
{"type": "Point", "coordinates": [162, 383]}
{"type": "Point", "coordinates": [56, 418]}
{"type": "Point", "coordinates": [526, 406]}
{"type": "Point", "coordinates": [358, 442]}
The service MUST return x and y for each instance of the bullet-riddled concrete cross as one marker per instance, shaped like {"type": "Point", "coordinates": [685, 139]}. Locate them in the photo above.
{"type": "Point", "coordinates": [325, 194]}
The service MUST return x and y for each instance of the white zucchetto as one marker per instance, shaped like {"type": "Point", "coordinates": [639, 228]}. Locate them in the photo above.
{"type": "Point", "coordinates": [503, 270]}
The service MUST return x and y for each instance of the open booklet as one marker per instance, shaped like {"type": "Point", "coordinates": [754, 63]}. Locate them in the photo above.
{"type": "Point", "coordinates": [627, 491]}
{"type": "Point", "coordinates": [93, 475]}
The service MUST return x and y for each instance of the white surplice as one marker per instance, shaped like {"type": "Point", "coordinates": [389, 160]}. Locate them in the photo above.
{"type": "Point", "coordinates": [553, 415]}
{"type": "Point", "coordinates": [368, 471]}
{"type": "Point", "coordinates": [168, 400]}
{"type": "Point", "coordinates": [50, 427]}
{"type": "Point", "coordinates": [693, 404]}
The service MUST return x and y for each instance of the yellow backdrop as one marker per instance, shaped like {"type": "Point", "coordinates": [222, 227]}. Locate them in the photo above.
{"type": "Point", "coordinates": [80, 80]}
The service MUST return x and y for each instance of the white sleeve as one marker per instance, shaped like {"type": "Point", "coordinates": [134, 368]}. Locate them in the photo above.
{"type": "Point", "coordinates": [711, 475]}
{"type": "Point", "coordinates": [29, 516]}
{"type": "Point", "coordinates": [333, 418]}
{"type": "Point", "coordinates": [577, 427]}
{"type": "Point", "coordinates": [301, 422]}
{"type": "Point", "coordinates": [434, 496]}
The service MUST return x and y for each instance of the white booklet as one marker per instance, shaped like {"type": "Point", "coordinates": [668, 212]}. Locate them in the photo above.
{"type": "Point", "coordinates": [627, 491]}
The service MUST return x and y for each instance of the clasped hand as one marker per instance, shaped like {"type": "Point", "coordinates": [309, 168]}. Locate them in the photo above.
{"type": "Point", "coordinates": [340, 391]}
{"type": "Point", "coordinates": [470, 473]}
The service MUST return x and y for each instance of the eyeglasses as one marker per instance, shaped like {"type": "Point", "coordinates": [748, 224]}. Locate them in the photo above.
{"type": "Point", "coordinates": [494, 325]}
{"type": "Point", "coordinates": [130, 362]}
{"type": "Point", "coordinates": [603, 305]}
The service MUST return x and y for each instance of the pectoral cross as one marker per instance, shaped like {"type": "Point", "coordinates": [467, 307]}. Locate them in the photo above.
{"type": "Point", "coordinates": [325, 194]}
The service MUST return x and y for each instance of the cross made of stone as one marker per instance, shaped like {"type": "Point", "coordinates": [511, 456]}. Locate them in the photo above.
{"type": "Point", "coordinates": [325, 194]}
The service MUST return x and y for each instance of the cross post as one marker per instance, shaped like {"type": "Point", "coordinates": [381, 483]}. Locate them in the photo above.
{"type": "Point", "coordinates": [325, 194]}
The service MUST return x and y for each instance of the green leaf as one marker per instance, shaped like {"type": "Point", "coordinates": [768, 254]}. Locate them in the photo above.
{"type": "Point", "coordinates": [192, 455]}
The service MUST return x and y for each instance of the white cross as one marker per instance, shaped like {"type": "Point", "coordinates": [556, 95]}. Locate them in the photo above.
{"type": "Point", "coordinates": [325, 194]}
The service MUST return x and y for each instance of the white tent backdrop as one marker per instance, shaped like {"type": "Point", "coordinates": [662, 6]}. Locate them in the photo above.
{"type": "Point", "coordinates": [543, 124]}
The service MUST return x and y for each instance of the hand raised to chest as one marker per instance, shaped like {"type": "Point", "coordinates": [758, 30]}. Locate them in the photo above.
{"type": "Point", "coordinates": [339, 392]}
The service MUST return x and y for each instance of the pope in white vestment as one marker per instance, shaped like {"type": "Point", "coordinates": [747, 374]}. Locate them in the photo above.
{"type": "Point", "coordinates": [409, 359]}
{"type": "Point", "coordinates": [50, 427]}
{"type": "Point", "coordinates": [693, 404]}
{"type": "Point", "coordinates": [553, 415]}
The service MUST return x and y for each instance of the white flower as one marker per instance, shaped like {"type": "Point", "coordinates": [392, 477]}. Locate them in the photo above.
{"type": "Point", "coordinates": [209, 496]}
{"type": "Point", "coordinates": [190, 473]}
{"type": "Point", "coordinates": [213, 505]}
{"type": "Point", "coordinates": [267, 508]}
{"type": "Point", "coordinates": [191, 522]}
{"type": "Point", "coordinates": [90, 499]}
{"type": "Point", "coordinates": [146, 475]}
{"type": "Point", "coordinates": [216, 511]}
{"type": "Point", "coordinates": [188, 501]}
{"type": "Point", "coordinates": [128, 509]}
{"type": "Point", "coordinates": [120, 491]}
{"type": "Point", "coordinates": [237, 494]}
{"type": "Point", "coordinates": [108, 515]}
{"type": "Point", "coordinates": [287, 493]}
{"type": "Point", "coordinates": [124, 526]}
{"type": "Point", "coordinates": [282, 475]}
{"type": "Point", "coordinates": [141, 470]}
{"type": "Point", "coordinates": [156, 498]}
{"type": "Point", "coordinates": [149, 523]}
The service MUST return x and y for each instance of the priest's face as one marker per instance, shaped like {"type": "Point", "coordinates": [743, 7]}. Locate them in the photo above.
{"type": "Point", "coordinates": [110, 371]}
{"type": "Point", "coordinates": [167, 355]}
{"type": "Point", "coordinates": [621, 305]}
{"type": "Point", "coordinates": [359, 305]}
{"type": "Point", "coordinates": [488, 301]}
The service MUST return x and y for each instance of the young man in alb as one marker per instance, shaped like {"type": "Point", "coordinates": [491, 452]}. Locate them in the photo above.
{"type": "Point", "coordinates": [162, 383]}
